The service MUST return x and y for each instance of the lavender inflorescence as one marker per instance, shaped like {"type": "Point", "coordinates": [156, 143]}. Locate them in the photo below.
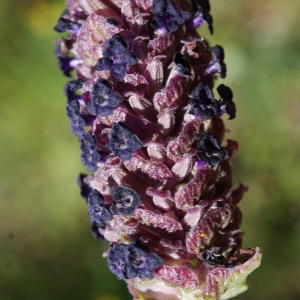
{"type": "Point", "coordinates": [150, 131]}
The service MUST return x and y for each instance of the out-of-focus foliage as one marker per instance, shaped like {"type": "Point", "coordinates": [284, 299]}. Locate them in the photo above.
{"type": "Point", "coordinates": [46, 250]}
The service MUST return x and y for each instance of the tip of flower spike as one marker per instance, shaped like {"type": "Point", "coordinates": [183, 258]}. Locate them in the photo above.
{"type": "Point", "coordinates": [165, 15]}
{"type": "Point", "coordinates": [125, 200]}
{"type": "Point", "coordinates": [64, 25]}
{"type": "Point", "coordinates": [209, 150]}
{"type": "Point", "coordinates": [104, 99]}
{"type": "Point", "coordinates": [89, 155]}
{"type": "Point", "coordinates": [123, 142]}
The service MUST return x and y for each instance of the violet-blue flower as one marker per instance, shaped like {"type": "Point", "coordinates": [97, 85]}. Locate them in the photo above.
{"type": "Point", "coordinates": [125, 200]}
{"type": "Point", "coordinates": [98, 213]}
{"type": "Point", "coordinates": [226, 103]}
{"type": "Point", "coordinates": [77, 123]}
{"type": "Point", "coordinates": [217, 64]}
{"type": "Point", "coordinates": [64, 25]}
{"type": "Point", "coordinates": [203, 102]}
{"type": "Point", "coordinates": [140, 263]}
{"type": "Point", "coordinates": [116, 57]}
{"type": "Point", "coordinates": [104, 99]}
{"type": "Point", "coordinates": [76, 84]}
{"type": "Point", "coordinates": [116, 258]}
{"type": "Point", "coordinates": [202, 9]}
{"type": "Point", "coordinates": [209, 150]}
{"type": "Point", "coordinates": [89, 154]}
{"type": "Point", "coordinates": [85, 189]}
{"type": "Point", "coordinates": [122, 141]}
{"type": "Point", "coordinates": [165, 15]}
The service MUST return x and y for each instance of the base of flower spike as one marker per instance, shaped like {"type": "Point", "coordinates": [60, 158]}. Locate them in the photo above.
{"type": "Point", "coordinates": [220, 283]}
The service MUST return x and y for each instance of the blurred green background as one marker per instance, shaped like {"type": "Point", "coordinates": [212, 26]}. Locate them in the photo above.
{"type": "Point", "coordinates": [46, 250]}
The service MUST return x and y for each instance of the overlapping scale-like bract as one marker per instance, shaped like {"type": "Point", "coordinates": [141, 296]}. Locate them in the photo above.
{"type": "Point", "coordinates": [151, 135]}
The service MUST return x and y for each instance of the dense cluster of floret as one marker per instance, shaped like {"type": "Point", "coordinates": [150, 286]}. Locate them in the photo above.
{"type": "Point", "coordinates": [150, 133]}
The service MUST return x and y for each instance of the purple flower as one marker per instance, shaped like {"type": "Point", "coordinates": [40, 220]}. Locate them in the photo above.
{"type": "Point", "coordinates": [132, 261]}
{"type": "Point", "coordinates": [123, 142]}
{"type": "Point", "coordinates": [226, 103]}
{"type": "Point", "coordinates": [64, 25]}
{"type": "Point", "coordinates": [116, 259]}
{"type": "Point", "coordinates": [89, 155]}
{"type": "Point", "coordinates": [209, 150]}
{"type": "Point", "coordinates": [203, 102]}
{"type": "Point", "coordinates": [77, 123]}
{"type": "Point", "coordinates": [165, 15]}
{"type": "Point", "coordinates": [76, 84]}
{"type": "Point", "coordinates": [116, 57]}
{"type": "Point", "coordinates": [202, 9]}
{"type": "Point", "coordinates": [98, 214]}
{"type": "Point", "coordinates": [217, 64]}
{"type": "Point", "coordinates": [140, 263]}
{"type": "Point", "coordinates": [85, 189]}
{"type": "Point", "coordinates": [104, 99]}
{"type": "Point", "coordinates": [125, 200]}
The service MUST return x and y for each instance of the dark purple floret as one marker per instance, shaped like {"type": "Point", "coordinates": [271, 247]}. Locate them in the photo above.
{"type": "Point", "coordinates": [165, 15]}
{"type": "Point", "coordinates": [209, 150]}
{"type": "Point", "coordinates": [182, 65]}
{"type": "Point", "coordinates": [77, 123]}
{"type": "Point", "coordinates": [214, 257]}
{"type": "Point", "coordinates": [97, 212]}
{"type": "Point", "coordinates": [64, 25]}
{"type": "Point", "coordinates": [122, 141]}
{"type": "Point", "coordinates": [76, 84]}
{"type": "Point", "coordinates": [104, 99]}
{"type": "Point", "coordinates": [89, 155]}
{"type": "Point", "coordinates": [116, 258]}
{"type": "Point", "coordinates": [227, 105]}
{"type": "Point", "coordinates": [217, 64]}
{"type": "Point", "coordinates": [203, 102]}
{"type": "Point", "coordinates": [85, 189]}
{"type": "Point", "coordinates": [202, 9]}
{"type": "Point", "coordinates": [116, 57]}
{"type": "Point", "coordinates": [66, 65]}
{"type": "Point", "coordinates": [141, 263]}
{"type": "Point", "coordinates": [125, 201]}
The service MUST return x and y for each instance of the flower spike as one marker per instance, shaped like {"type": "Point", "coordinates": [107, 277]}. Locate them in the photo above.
{"type": "Point", "coordinates": [151, 133]}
